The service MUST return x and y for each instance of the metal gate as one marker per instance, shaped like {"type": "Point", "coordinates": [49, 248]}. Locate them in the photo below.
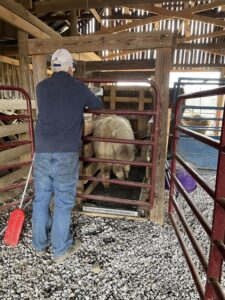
{"type": "Point", "coordinates": [8, 145]}
{"type": "Point", "coordinates": [152, 142]}
{"type": "Point", "coordinates": [216, 232]}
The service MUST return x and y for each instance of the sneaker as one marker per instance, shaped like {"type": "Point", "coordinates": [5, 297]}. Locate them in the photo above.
{"type": "Point", "coordinates": [67, 254]}
{"type": "Point", "coordinates": [41, 253]}
{"type": "Point", "coordinates": [77, 244]}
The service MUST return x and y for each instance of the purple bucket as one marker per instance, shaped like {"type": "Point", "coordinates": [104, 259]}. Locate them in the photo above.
{"type": "Point", "coordinates": [186, 180]}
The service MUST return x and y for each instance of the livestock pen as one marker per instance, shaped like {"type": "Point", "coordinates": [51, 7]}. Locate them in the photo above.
{"type": "Point", "coordinates": [44, 279]}
{"type": "Point", "coordinates": [110, 248]}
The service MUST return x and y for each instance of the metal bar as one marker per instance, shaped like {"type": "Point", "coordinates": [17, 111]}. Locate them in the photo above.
{"type": "Point", "coordinates": [200, 137]}
{"type": "Point", "coordinates": [14, 144]}
{"type": "Point", "coordinates": [120, 112]}
{"type": "Point", "coordinates": [202, 119]}
{"type": "Point", "coordinates": [29, 109]}
{"type": "Point", "coordinates": [191, 265]}
{"type": "Point", "coordinates": [154, 136]}
{"type": "Point", "coordinates": [202, 220]}
{"type": "Point", "coordinates": [6, 206]}
{"type": "Point", "coordinates": [218, 288]}
{"type": "Point", "coordinates": [116, 181]}
{"type": "Point", "coordinates": [201, 127]}
{"type": "Point", "coordinates": [113, 200]}
{"type": "Point", "coordinates": [196, 176]}
{"type": "Point", "coordinates": [191, 236]}
{"type": "Point", "coordinates": [218, 232]}
{"type": "Point", "coordinates": [13, 186]}
{"type": "Point", "coordinates": [13, 117]}
{"type": "Point", "coordinates": [203, 107]}
{"type": "Point", "coordinates": [113, 161]}
{"type": "Point", "coordinates": [213, 92]}
{"type": "Point", "coordinates": [6, 167]}
{"type": "Point", "coordinates": [119, 141]}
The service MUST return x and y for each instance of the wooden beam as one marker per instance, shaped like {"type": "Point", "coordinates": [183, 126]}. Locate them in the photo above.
{"type": "Point", "coordinates": [193, 9]}
{"type": "Point", "coordinates": [24, 61]}
{"type": "Point", "coordinates": [13, 177]}
{"type": "Point", "coordinates": [19, 13]}
{"type": "Point", "coordinates": [6, 130]}
{"type": "Point", "coordinates": [99, 42]}
{"type": "Point", "coordinates": [15, 62]}
{"type": "Point", "coordinates": [137, 65]}
{"type": "Point", "coordinates": [96, 15]}
{"type": "Point", "coordinates": [73, 23]}
{"type": "Point", "coordinates": [165, 14]}
{"type": "Point", "coordinates": [25, 3]}
{"type": "Point", "coordinates": [18, 16]}
{"type": "Point", "coordinates": [203, 46]}
{"type": "Point", "coordinates": [186, 14]}
{"type": "Point", "coordinates": [56, 5]}
{"type": "Point", "coordinates": [134, 24]}
{"type": "Point", "coordinates": [9, 50]}
{"type": "Point", "coordinates": [120, 54]}
{"type": "Point", "coordinates": [202, 36]}
{"type": "Point", "coordinates": [122, 75]}
{"type": "Point", "coordinates": [39, 71]}
{"type": "Point", "coordinates": [15, 104]}
{"type": "Point", "coordinates": [22, 24]}
{"type": "Point", "coordinates": [13, 153]}
{"type": "Point", "coordinates": [163, 67]}
{"type": "Point", "coordinates": [120, 65]}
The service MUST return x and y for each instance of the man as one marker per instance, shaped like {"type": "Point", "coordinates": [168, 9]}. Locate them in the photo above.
{"type": "Point", "coordinates": [61, 101]}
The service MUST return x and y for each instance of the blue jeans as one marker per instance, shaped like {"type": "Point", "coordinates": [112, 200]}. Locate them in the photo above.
{"type": "Point", "coordinates": [56, 173]}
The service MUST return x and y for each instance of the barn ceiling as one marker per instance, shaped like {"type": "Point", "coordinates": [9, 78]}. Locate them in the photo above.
{"type": "Point", "coordinates": [197, 25]}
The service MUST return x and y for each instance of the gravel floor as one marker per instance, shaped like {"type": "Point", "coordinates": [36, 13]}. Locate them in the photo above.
{"type": "Point", "coordinates": [118, 259]}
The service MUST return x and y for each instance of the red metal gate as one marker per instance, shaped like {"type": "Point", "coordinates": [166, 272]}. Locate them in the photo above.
{"type": "Point", "coordinates": [153, 143]}
{"type": "Point", "coordinates": [216, 232]}
{"type": "Point", "coordinates": [8, 145]}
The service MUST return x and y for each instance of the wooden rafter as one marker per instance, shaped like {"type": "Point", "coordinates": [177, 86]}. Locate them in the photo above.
{"type": "Point", "coordinates": [96, 15]}
{"type": "Point", "coordinates": [18, 16]}
{"type": "Point", "coordinates": [165, 14]}
{"type": "Point", "coordinates": [137, 65]}
{"type": "Point", "coordinates": [134, 24]}
{"type": "Point", "coordinates": [202, 36]}
{"type": "Point", "coordinates": [119, 54]}
{"type": "Point", "coordinates": [56, 5]}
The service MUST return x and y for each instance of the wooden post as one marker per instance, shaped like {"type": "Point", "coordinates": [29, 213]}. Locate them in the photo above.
{"type": "Point", "coordinates": [73, 22]}
{"type": "Point", "coordinates": [39, 71]}
{"type": "Point", "coordinates": [25, 80]}
{"type": "Point", "coordinates": [220, 102]}
{"type": "Point", "coordinates": [24, 60]}
{"type": "Point", "coordinates": [163, 67]}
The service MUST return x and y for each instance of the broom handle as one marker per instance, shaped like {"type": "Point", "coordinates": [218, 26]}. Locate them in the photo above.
{"type": "Point", "coordinates": [28, 177]}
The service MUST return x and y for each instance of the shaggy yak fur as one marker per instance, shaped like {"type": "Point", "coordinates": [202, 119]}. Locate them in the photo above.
{"type": "Point", "coordinates": [114, 127]}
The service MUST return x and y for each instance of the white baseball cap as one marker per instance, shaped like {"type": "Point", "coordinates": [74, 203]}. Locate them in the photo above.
{"type": "Point", "coordinates": [61, 58]}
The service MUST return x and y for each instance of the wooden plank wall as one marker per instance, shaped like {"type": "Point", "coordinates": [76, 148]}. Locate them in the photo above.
{"type": "Point", "coordinates": [10, 132]}
{"type": "Point", "coordinates": [132, 98]}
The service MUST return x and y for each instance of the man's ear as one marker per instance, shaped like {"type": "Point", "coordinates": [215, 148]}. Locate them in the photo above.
{"type": "Point", "coordinates": [70, 71]}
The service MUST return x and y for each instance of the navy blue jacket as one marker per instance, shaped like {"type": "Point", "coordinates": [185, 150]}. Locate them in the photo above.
{"type": "Point", "coordinates": [61, 101]}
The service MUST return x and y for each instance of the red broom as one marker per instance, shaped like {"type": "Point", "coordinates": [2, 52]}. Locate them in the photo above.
{"type": "Point", "coordinates": [16, 219]}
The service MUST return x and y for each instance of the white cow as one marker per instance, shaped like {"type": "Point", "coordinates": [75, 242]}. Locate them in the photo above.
{"type": "Point", "coordinates": [114, 127]}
